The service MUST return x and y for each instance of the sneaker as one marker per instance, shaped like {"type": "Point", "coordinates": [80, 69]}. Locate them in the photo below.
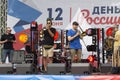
{"type": "Point", "coordinates": [45, 72]}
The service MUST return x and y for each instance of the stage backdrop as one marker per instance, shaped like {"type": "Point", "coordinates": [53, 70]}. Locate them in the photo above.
{"type": "Point", "coordinates": [88, 13]}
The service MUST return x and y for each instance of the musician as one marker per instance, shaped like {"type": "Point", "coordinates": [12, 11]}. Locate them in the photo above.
{"type": "Point", "coordinates": [7, 40]}
{"type": "Point", "coordinates": [74, 36]}
{"type": "Point", "coordinates": [116, 51]}
{"type": "Point", "coordinates": [48, 42]}
{"type": "Point", "coordinates": [108, 46]}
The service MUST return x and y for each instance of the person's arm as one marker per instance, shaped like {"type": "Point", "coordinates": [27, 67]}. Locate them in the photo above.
{"type": "Point", "coordinates": [2, 42]}
{"type": "Point", "coordinates": [50, 32]}
{"type": "Point", "coordinates": [73, 37]}
{"type": "Point", "coordinates": [14, 39]}
{"type": "Point", "coordinates": [115, 39]}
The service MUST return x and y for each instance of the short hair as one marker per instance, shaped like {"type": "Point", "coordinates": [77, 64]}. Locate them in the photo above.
{"type": "Point", "coordinates": [8, 28]}
{"type": "Point", "coordinates": [75, 23]}
{"type": "Point", "coordinates": [49, 19]}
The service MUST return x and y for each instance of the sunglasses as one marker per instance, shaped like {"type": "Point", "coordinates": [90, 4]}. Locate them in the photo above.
{"type": "Point", "coordinates": [48, 23]}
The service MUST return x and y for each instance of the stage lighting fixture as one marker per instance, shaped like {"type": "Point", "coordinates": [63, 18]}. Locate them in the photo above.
{"type": "Point", "coordinates": [91, 58]}
{"type": "Point", "coordinates": [91, 31]}
{"type": "Point", "coordinates": [91, 47]}
{"type": "Point", "coordinates": [33, 25]}
{"type": "Point", "coordinates": [23, 37]}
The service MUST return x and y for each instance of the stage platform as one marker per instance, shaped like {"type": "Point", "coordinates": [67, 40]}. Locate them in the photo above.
{"type": "Point", "coordinates": [59, 77]}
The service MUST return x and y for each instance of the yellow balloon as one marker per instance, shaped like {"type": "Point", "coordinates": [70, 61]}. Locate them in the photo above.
{"type": "Point", "coordinates": [23, 37]}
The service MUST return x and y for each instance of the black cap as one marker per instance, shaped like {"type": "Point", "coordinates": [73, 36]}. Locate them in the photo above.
{"type": "Point", "coordinates": [75, 23]}
{"type": "Point", "coordinates": [49, 19]}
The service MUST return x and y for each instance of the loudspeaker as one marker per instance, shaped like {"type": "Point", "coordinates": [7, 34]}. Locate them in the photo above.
{"type": "Point", "coordinates": [29, 58]}
{"type": "Point", "coordinates": [80, 68]}
{"type": "Point", "coordinates": [6, 69]}
{"type": "Point", "coordinates": [24, 68]}
{"type": "Point", "coordinates": [56, 68]}
{"type": "Point", "coordinates": [106, 68]}
{"type": "Point", "coordinates": [18, 56]}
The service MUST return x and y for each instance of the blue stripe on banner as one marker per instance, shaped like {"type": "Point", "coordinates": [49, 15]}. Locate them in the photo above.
{"type": "Point", "coordinates": [18, 28]}
{"type": "Point", "coordinates": [24, 12]}
{"type": "Point", "coordinates": [37, 77]}
{"type": "Point", "coordinates": [18, 77]}
{"type": "Point", "coordinates": [20, 23]}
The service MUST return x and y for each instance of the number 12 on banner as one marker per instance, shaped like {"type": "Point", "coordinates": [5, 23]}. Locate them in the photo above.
{"type": "Point", "coordinates": [59, 12]}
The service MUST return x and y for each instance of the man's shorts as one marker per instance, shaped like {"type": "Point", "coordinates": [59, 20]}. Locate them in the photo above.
{"type": "Point", "coordinates": [48, 52]}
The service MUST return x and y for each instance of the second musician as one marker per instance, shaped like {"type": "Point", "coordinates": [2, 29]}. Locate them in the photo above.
{"type": "Point", "coordinates": [74, 42]}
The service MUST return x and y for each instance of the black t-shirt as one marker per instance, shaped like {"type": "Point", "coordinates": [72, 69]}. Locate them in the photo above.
{"type": "Point", "coordinates": [48, 40]}
{"type": "Point", "coordinates": [9, 37]}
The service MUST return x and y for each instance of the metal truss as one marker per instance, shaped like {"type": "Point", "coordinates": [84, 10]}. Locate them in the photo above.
{"type": "Point", "coordinates": [3, 16]}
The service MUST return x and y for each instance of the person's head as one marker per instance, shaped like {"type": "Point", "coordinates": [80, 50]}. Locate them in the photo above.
{"type": "Point", "coordinates": [75, 25]}
{"type": "Point", "coordinates": [49, 22]}
{"type": "Point", "coordinates": [116, 27]}
{"type": "Point", "coordinates": [8, 30]}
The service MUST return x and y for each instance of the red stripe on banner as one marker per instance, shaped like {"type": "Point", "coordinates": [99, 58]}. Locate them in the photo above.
{"type": "Point", "coordinates": [70, 14]}
{"type": "Point", "coordinates": [101, 77]}
{"type": "Point", "coordinates": [18, 45]}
